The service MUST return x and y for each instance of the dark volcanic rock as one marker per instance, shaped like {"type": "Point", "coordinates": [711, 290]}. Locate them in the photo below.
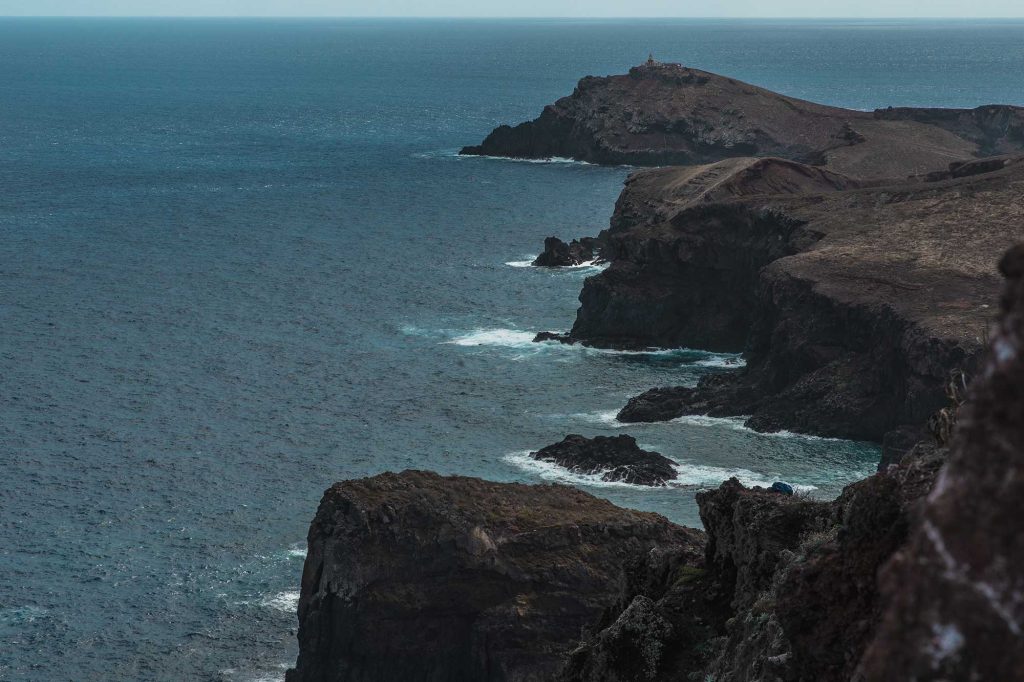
{"type": "Point", "coordinates": [416, 576]}
{"type": "Point", "coordinates": [560, 337]}
{"type": "Point", "coordinates": [747, 530]}
{"type": "Point", "coordinates": [659, 629]}
{"type": "Point", "coordinates": [558, 253]}
{"type": "Point", "coordinates": [801, 575]}
{"type": "Point", "coordinates": [662, 114]}
{"type": "Point", "coordinates": [686, 256]}
{"type": "Point", "coordinates": [852, 306]}
{"type": "Point", "coordinates": [955, 592]}
{"type": "Point", "coordinates": [616, 458]}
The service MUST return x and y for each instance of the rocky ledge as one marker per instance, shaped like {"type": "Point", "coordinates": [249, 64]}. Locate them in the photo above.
{"type": "Point", "coordinates": [615, 458]}
{"type": "Point", "coordinates": [669, 114]}
{"type": "Point", "coordinates": [912, 574]}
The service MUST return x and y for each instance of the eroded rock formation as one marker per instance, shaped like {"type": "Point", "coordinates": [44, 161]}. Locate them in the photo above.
{"type": "Point", "coordinates": [955, 593]}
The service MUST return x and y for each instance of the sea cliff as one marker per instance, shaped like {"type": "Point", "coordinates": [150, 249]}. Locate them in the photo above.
{"type": "Point", "coordinates": [864, 263]}
{"type": "Point", "coordinates": [415, 576]}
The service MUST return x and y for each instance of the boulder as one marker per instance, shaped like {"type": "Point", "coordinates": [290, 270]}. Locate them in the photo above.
{"type": "Point", "coordinates": [615, 458]}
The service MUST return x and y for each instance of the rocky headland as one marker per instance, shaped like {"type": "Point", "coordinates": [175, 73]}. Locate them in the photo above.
{"type": "Point", "coordinates": [856, 259]}
{"type": "Point", "coordinates": [416, 576]}
{"type": "Point", "coordinates": [667, 114]}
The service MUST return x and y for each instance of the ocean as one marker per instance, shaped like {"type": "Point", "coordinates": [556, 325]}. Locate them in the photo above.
{"type": "Point", "coordinates": [241, 260]}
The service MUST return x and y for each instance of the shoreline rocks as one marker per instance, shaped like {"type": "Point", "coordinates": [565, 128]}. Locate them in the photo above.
{"type": "Point", "coordinates": [615, 458]}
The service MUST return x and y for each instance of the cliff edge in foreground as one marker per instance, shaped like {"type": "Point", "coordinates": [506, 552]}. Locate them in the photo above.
{"type": "Point", "coordinates": [415, 576]}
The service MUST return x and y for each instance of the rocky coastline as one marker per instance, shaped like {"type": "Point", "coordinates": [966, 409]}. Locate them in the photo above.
{"type": "Point", "coordinates": [415, 576]}
{"type": "Point", "coordinates": [865, 265]}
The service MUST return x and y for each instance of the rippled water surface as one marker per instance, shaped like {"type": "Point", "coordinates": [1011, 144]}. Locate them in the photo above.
{"type": "Point", "coordinates": [240, 261]}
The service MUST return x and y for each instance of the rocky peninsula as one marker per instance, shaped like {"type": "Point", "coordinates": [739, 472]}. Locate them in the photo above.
{"type": "Point", "coordinates": [864, 263]}
{"type": "Point", "coordinates": [666, 114]}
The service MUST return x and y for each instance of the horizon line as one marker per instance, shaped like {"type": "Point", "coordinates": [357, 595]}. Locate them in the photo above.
{"type": "Point", "coordinates": [509, 17]}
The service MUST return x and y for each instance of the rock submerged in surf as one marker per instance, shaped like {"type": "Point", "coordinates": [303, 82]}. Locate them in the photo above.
{"type": "Point", "coordinates": [616, 458]}
{"type": "Point", "coordinates": [559, 254]}
{"type": "Point", "coordinates": [560, 337]}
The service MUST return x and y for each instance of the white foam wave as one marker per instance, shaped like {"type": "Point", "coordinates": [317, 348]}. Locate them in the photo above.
{"type": "Point", "coordinates": [287, 602]}
{"type": "Point", "coordinates": [690, 475]}
{"type": "Point", "coordinates": [516, 338]}
{"type": "Point", "coordinates": [603, 417]}
{"type": "Point", "coordinates": [508, 338]}
{"type": "Point", "coordinates": [723, 361]}
{"type": "Point", "coordinates": [738, 424]}
{"type": "Point", "coordinates": [297, 551]}
{"type": "Point", "coordinates": [454, 154]}
{"type": "Point", "coordinates": [590, 265]}
{"type": "Point", "coordinates": [548, 160]}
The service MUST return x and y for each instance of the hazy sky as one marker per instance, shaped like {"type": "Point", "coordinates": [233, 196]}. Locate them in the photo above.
{"type": "Point", "coordinates": [521, 8]}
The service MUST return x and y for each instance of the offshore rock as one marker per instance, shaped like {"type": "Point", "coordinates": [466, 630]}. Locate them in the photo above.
{"type": "Point", "coordinates": [559, 254]}
{"type": "Point", "coordinates": [415, 576]}
{"type": "Point", "coordinates": [615, 458]}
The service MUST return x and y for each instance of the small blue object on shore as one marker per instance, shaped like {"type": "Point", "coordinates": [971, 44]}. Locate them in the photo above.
{"type": "Point", "coordinates": [784, 488]}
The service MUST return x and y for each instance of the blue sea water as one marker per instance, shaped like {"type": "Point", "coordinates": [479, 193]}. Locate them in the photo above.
{"type": "Point", "coordinates": [239, 260]}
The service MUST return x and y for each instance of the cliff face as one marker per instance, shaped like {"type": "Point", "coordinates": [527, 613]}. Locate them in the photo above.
{"type": "Point", "coordinates": [852, 303]}
{"type": "Point", "coordinates": [415, 576]}
{"type": "Point", "coordinates": [667, 114]}
{"type": "Point", "coordinates": [955, 593]}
